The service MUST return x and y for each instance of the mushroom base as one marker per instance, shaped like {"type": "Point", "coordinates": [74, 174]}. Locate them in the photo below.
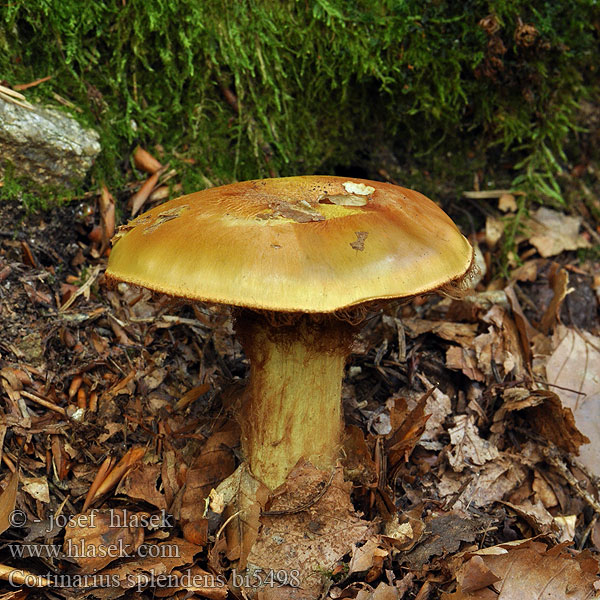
{"type": "Point", "coordinates": [292, 408]}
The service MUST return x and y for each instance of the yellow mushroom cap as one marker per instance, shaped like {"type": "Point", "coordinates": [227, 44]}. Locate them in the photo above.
{"type": "Point", "coordinates": [312, 244]}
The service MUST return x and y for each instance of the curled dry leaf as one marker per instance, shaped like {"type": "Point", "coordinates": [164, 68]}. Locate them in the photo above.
{"type": "Point", "coordinates": [101, 474]}
{"type": "Point", "coordinates": [132, 456]}
{"type": "Point", "coordinates": [559, 280]}
{"type": "Point", "coordinates": [139, 198]}
{"type": "Point", "coordinates": [475, 575]}
{"type": "Point", "coordinates": [144, 161]}
{"type": "Point", "coordinates": [454, 332]}
{"type": "Point", "coordinates": [537, 517]}
{"type": "Point", "coordinates": [545, 415]}
{"type": "Point", "coordinates": [555, 422]}
{"type": "Point", "coordinates": [107, 216]}
{"type": "Point", "coordinates": [359, 466]}
{"type": "Point", "coordinates": [407, 428]}
{"type": "Point", "coordinates": [20, 577]}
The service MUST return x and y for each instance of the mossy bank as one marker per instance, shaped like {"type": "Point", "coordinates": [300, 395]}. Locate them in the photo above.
{"type": "Point", "coordinates": [249, 89]}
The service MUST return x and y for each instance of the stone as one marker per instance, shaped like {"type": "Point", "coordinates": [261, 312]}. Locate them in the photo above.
{"type": "Point", "coordinates": [45, 146]}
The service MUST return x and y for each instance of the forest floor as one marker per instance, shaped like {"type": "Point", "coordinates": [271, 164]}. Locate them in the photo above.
{"type": "Point", "coordinates": [466, 474]}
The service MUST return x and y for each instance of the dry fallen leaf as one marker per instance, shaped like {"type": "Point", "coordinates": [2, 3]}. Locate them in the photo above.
{"type": "Point", "coordinates": [196, 580]}
{"type": "Point", "coordinates": [106, 205]}
{"type": "Point", "coordinates": [567, 527]}
{"type": "Point", "coordinates": [313, 539]}
{"type": "Point", "coordinates": [359, 466]}
{"type": "Point", "coordinates": [574, 367]}
{"type": "Point", "coordinates": [403, 533]}
{"type": "Point", "coordinates": [139, 198]}
{"type": "Point", "coordinates": [467, 447]}
{"type": "Point", "coordinates": [443, 535]}
{"type": "Point", "coordinates": [454, 332]}
{"type": "Point", "coordinates": [438, 407]}
{"type": "Point", "coordinates": [407, 428]}
{"type": "Point", "coordinates": [142, 483]}
{"type": "Point", "coordinates": [145, 572]}
{"type": "Point", "coordinates": [37, 487]}
{"type": "Point", "coordinates": [96, 538]}
{"type": "Point", "coordinates": [545, 414]}
{"type": "Point", "coordinates": [559, 280]}
{"type": "Point", "coordinates": [129, 459]}
{"type": "Point", "coordinates": [540, 520]}
{"type": "Point", "coordinates": [525, 570]}
{"type": "Point", "coordinates": [465, 360]}
{"type": "Point", "coordinates": [475, 575]}
{"type": "Point", "coordinates": [365, 557]}
{"type": "Point", "coordinates": [382, 592]}
{"type": "Point", "coordinates": [214, 463]}
{"type": "Point", "coordinates": [244, 496]}
{"type": "Point", "coordinates": [553, 232]}
{"type": "Point", "coordinates": [144, 161]}
{"type": "Point", "coordinates": [484, 486]}
{"type": "Point", "coordinates": [494, 229]}
{"type": "Point", "coordinates": [7, 501]}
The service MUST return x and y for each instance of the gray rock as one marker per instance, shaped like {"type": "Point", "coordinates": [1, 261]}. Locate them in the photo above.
{"type": "Point", "coordinates": [45, 145]}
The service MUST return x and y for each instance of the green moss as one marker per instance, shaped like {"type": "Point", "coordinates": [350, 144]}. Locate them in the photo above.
{"type": "Point", "coordinates": [256, 88]}
{"type": "Point", "coordinates": [14, 188]}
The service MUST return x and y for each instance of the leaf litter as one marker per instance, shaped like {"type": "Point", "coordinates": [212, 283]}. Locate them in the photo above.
{"type": "Point", "coordinates": [466, 437]}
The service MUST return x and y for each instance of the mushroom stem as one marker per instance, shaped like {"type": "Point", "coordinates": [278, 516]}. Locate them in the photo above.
{"type": "Point", "coordinates": [293, 404]}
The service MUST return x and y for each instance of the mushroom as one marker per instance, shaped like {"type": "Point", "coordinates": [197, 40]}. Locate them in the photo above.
{"type": "Point", "coordinates": [302, 259]}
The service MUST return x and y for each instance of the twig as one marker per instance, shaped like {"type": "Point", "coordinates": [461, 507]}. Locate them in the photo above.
{"type": "Point", "coordinates": [84, 289]}
{"type": "Point", "coordinates": [560, 387]}
{"type": "Point", "coordinates": [553, 457]}
{"type": "Point", "coordinates": [591, 231]}
{"type": "Point", "coordinates": [486, 194]}
{"type": "Point", "coordinates": [587, 532]}
{"type": "Point", "coordinates": [222, 528]}
{"type": "Point", "coordinates": [302, 507]}
{"type": "Point", "coordinates": [21, 87]}
{"type": "Point", "coordinates": [44, 402]}
{"type": "Point", "coordinates": [11, 96]}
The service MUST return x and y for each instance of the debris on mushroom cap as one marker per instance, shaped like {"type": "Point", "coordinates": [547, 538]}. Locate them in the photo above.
{"type": "Point", "coordinates": [358, 188]}
{"type": "Point", "coordinates": [310, 244]}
